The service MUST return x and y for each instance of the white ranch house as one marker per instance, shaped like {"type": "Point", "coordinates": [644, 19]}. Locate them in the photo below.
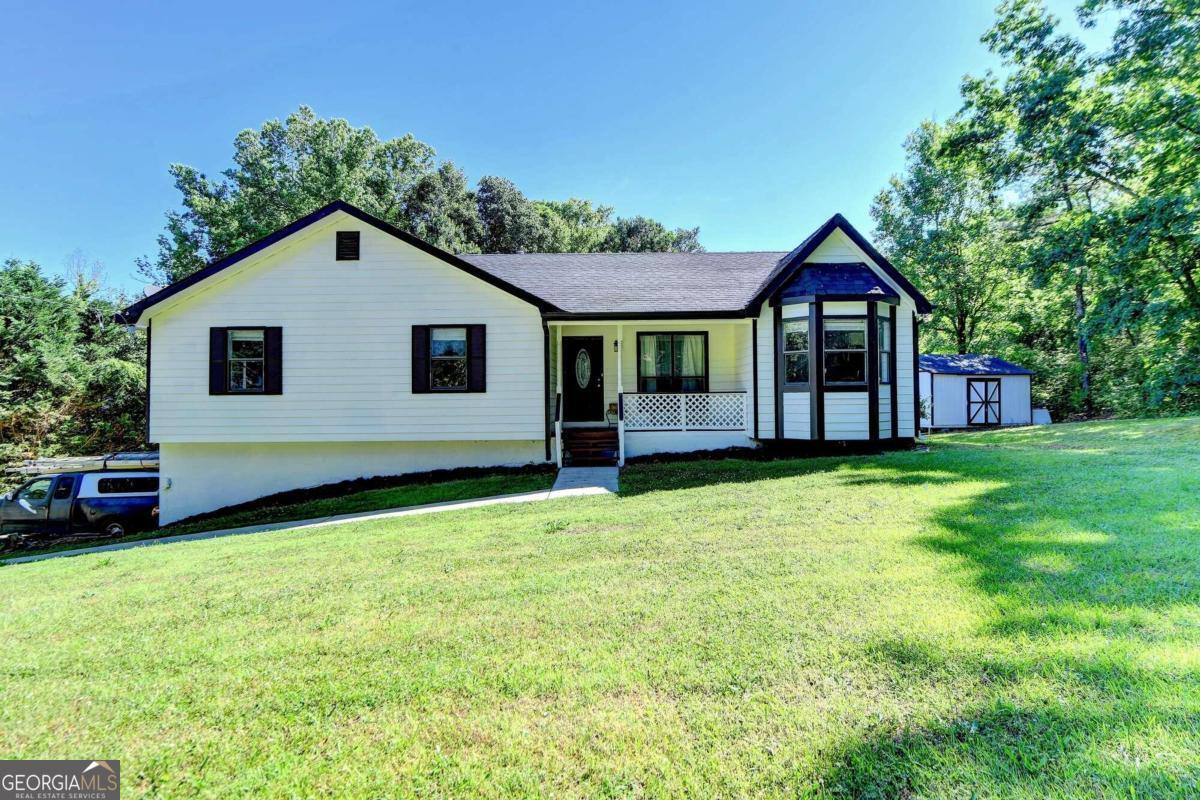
{"type": "Point", "coordinates": [342, 347]}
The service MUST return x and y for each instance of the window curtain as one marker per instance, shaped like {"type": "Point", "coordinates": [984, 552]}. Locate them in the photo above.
{"type": "Point", "coordinates": [693, 356]}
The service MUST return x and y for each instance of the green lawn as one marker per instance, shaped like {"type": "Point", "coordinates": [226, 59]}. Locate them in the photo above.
{"type": "Point", "coordinates": [1012, 614]}
{"type": "Point", "coordinates": [267, 510]}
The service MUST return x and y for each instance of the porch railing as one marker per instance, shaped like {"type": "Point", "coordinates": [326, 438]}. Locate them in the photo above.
{"type": "Point", "coordinates": [701, 411]}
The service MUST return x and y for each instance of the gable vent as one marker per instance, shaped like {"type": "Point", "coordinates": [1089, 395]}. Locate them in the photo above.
{"type": "Point", "coordinates": [347, 245]}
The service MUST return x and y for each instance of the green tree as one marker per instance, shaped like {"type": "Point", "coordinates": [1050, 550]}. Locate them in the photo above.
{"type": "Point", "coordinates": [573, 226]}
{"type": "Point", "coordinates": [510, 223]}
{"type": "Point", "coordinates": [942, 224]}
{"type": "Point", "coordinates": [644, 235]}
{"type": "Point", "coordinates": [71, 380]}
{"type": "Point", "coordinates": [288, 169]}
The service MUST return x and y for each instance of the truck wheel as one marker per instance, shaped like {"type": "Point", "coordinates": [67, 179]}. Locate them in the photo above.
{"type": "Point", "coordinates": [114, 528]}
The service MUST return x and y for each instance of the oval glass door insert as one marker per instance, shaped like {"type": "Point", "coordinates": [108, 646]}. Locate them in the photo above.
{"type": "Point", "coordinates": [583, 368]}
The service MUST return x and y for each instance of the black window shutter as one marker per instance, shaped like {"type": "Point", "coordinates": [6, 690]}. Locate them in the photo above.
{"type": "Point", "coordinates": [273, 384]}
{"type": "Point", "coordinates": [476, 358]}
{"type": "Point", "coordinates": [347, 245]}
{"type": "Point", "coordinates": [420, 359]}
{"type": "Point", "coordinates": [218, 375]}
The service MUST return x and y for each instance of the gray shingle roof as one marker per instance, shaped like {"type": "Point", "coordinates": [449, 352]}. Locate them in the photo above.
{"type": "Point", "coordinates": [584, 283]}
{"type": "Point", "coordinates": [970, 364]}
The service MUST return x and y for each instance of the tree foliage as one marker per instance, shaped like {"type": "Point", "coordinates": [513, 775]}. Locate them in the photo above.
{"type": "Point", "coordinates": [71, 380]}
{"type": "Point", "coordinates": [1098, 157]}
{"type": "Point", "coordinates": [285, 170]}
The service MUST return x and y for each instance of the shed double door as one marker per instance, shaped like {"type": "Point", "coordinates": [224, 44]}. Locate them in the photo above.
{"type": "Point", "coordinates": [983, 401]}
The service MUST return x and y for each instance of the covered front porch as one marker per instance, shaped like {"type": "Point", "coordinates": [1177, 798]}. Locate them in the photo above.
{"type": "Point", "coordinates": [630, 387]}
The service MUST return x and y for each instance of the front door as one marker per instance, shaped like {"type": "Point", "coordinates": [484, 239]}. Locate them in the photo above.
{"type": "Point", "coordinates": [583, 378]}
{"type": "Point", "coordinates": [983, 401]}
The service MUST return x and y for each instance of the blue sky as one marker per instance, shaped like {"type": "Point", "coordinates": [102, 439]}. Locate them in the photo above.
{"type": "Point", "coordinates": [755, 121]}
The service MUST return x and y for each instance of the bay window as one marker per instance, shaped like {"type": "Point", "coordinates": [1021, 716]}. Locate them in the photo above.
{"type": "Point", "coordinates": [845, 351]}
{"type": "Point", "coordinates": [795, 351]}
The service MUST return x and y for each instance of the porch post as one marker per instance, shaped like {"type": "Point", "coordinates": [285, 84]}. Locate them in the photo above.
{"type": "Point", "coordinates": [620, 396]}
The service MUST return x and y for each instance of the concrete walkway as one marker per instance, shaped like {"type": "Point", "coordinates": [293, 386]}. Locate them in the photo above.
{"type": "Point", "coordinates": [571, 482]}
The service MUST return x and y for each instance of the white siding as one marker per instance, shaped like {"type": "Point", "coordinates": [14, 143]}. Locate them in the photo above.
{"type": "Point", "coordinates": [644, 443]}
{"type": "Point", "coordinates": [949, 401]}
{"type": "Point", "coordinates": [926, 396]}
{"type": "Point", "coordinates": [797, 415]}
{"type": "Point", "coordinates": [846, 416]}
{"type": "Point", "coordinates": [205, 477]}
{"type": "Point", "coordinates": [905, 399]}
{"type": "Point", "coordinates": [885, 412]}
{"type": "Point", "coordinates": [766, 373]}
{"type": "Point", "coordinates": [346, 348]}
{"type": "Point", "coordinates": [1014, 400]}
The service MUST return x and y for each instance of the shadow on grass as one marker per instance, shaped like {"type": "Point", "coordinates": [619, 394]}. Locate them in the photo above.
{"type": "Point", "coordinates": [1085, 549]}
{"type": "Point", "coordinates": [1029, 748]}
{"type": "Point", "coordinates": [1085, 554]}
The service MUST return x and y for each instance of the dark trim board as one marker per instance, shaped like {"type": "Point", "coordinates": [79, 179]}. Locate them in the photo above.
{"type": "Point", "coordinates": [546, 384]}
{"type": "Point", "coordinates": [872, 372]}
{"type": "Point", "coordinates": [134, 312]}
{"type": "Point", "coordinates": [835, 298]}
{"type": "Point", "coordinates": [916, 354]}
{"type": "Point", "coordinates": [754, 367]}
{"type": "Point", "coordinates": [894, 386]}
{"type": "Point", "coordinates": [777, 328]}
{"type": "Point", "coordinates": [149, 350]}
{"type": "Point", "coordinates": [816, 371]}
{"type": "Point", "coordinates": [634, 317]}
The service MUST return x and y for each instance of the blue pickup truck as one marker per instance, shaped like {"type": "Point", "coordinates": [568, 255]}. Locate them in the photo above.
{"type": "Point", "coordinates": [110, 502]}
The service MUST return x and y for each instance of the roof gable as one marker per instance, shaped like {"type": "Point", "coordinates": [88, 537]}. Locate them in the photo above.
{"type": "Point", "coordinates": [794, 261]}
{"type": "Point", "coordinates": [134, 312]}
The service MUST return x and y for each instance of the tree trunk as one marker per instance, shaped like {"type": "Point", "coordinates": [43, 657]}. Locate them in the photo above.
{"type": "Point", "coordinates": [1085, 382]}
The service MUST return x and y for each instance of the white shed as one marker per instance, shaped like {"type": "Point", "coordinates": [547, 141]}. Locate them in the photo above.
{"type": "Point", "coordinates": [970, 390]}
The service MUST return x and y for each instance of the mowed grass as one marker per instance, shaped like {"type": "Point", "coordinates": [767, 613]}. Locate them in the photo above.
{"type": "Point", "coordinates": [414, 494]}
{"type": "Point", "coordinates": [1012, 614]}
{"type": "Point", "coordinates": [352, 501]}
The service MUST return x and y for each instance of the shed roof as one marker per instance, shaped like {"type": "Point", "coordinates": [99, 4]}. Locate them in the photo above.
{"type": "Point", "coordinates": [970, 364]}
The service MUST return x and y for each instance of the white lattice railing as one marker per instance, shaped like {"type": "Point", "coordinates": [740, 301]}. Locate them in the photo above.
{"type": "Point", "coordinates": [704, 411]}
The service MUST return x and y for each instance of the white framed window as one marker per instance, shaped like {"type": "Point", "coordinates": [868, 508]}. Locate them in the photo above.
{"type": "Point", "coordinates": [845, 351]}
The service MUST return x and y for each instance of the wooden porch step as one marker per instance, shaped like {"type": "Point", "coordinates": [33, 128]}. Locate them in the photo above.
{"type": "Point", "coordinates": [590, 446]}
